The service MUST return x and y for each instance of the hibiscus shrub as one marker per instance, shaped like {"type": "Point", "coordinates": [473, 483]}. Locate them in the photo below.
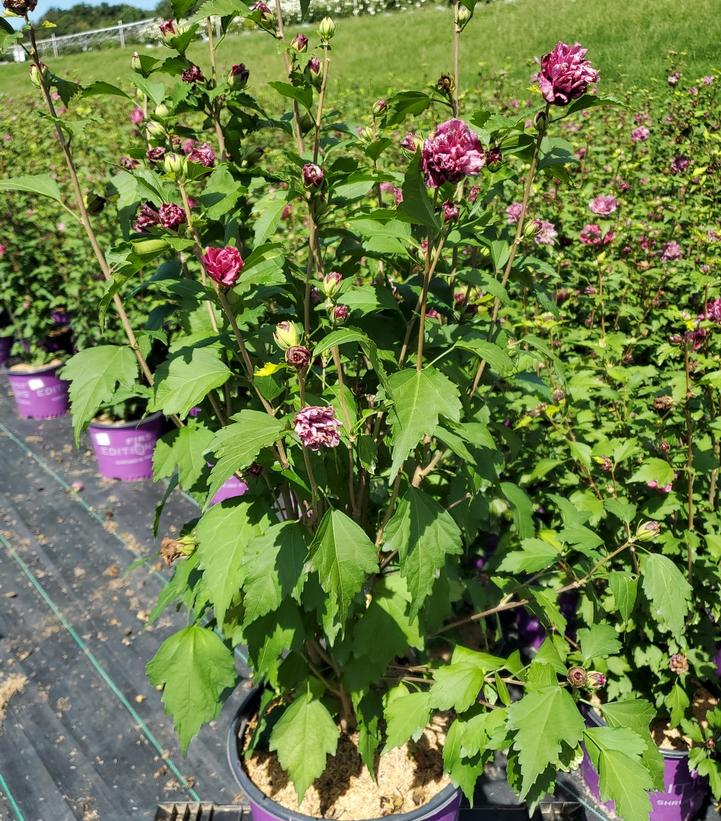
{"type": "Point", "coordinates": [350, 324]}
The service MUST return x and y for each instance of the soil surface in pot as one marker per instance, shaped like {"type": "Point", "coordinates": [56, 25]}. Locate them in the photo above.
{"type": "Point", "coordinates": [668, 738]}
{"type": "Point", "coordinates": [21, 367]}
{"type": "Point", "coordinates": [408, 777]}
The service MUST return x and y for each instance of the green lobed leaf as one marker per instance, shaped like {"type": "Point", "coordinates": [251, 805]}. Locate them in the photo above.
{"type": "Point", "coordinates": [303, 737]}
{"type": "Point", "coordinates": [343, 556]}
{"type": "Point", "coordinates": [667, 590]}
{"type": "Point", "coordinates": [419, 398]}
{"type": "Point", "coordinates": [598, 641]}
{"type": "Point", "coordinates": [195, 668]}
{"type": "Point", "coordinates": [94, 375]}
{"type": "Point", "coordinates": [182, 449]}
{"type": "Point", "coordinates": [237, 445]}
{"type": "Point", "coordinates": [182, 382]}
{"type": "Point", "coordinates": [406, 715]}
{"type": "Point", "coordinates": [544, 720]}
{"type": "Point", "coordinates": [424, 534]}
{"type": "Point", "coordinates": [223, 533]}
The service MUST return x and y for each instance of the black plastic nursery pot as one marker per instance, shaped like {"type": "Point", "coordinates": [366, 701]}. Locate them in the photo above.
{"type": "Point", "coordinates": [124, 450]}
{"type": "Point", "coordinates": [39, 392]}
{"type": "Point", "coordinates": [444, 806]}
{"type": "Point", "coordinates": [684, 791]}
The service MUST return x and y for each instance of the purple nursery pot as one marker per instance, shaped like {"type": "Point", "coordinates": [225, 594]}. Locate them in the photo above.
{"type": "Point", "coordinates": [229, 489]}
{"type": "Point", "coordinates": [6, 343]}
{"type": "Point", "coordinates": [40, 393]}
{"type": "Point", "coordinates": [124, 450]}
{"type": "Point", "coordinates": [684, 790]}
{"type": "Point", "coordinates": [442, 807]}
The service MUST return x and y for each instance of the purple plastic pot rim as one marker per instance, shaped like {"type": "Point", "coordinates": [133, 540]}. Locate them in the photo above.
{"type": "Point", "coordinates": [593, 716]}
{"type": "Point", "coordinates": [30, 372]}
{"type": "Point", "coordinates": [439, 802]}
{"type": "Point", "coordinates": [135, 423]}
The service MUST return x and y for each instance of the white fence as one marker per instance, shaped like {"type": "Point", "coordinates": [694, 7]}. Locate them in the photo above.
{"type": "Point", "coordinates": [141, 30]}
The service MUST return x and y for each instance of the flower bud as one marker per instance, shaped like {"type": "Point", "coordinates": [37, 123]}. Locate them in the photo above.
{"type": "Point", "coordinates": [463, 14]}
{"type": "Point", "coordinates": [238, 76]}
{"type": "Point", "coordinates": [287, 335]}
{"type": "Point", "coordinates": [647, 531]}
{"type": "Point", "coordinates": [326, 29]}
{"type": "Point", "coordinates": [266, 15]}
{"type": "Point", "coordinates": [299, 43]}
{"type": "Point", "coordinates": [596, 680]}
{"type": "Point", "coordinates": [175, 166]}
{"type": "Point", "coordinates": [450, 211]}
{"type": "Point", "coordinates": [332, 283]}
{"type": "Point", "coordinates": [154, 130]}
{"type": "Point", "coordinates": [314, 67]}
{"type": "Point", "coordinates": [298, 357]}
{"type": "Point", "coordinates": [411, 143]}
{"type": "Point", "coordinates": [678, 663]}
{"type": "Point", "coordinates": [37, 74]}
{"type": "Point", "coordinates": [380, 107]}
{"type": "Point", "coordinates": [173, 549]}
{"type": "Point", "coordinates": [312, 175]}
{"type": "Point", "coordinates": [167, 30]}
{"type": "Point", "coordinates": [339, 314]}
{"type": "Point", "coordinates": [161, 111]}
{"type": "Point", "coordinates": [135, 63]}
{"type": "Point", "coordinates": [577, 677]}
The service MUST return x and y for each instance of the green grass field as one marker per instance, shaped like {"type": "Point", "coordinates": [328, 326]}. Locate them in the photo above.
{"type": "Point", "coordinates": [628, 40]}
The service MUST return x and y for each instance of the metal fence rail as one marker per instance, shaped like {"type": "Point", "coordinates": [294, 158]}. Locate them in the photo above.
{"type": "Point", "coordinates": [120, 35]}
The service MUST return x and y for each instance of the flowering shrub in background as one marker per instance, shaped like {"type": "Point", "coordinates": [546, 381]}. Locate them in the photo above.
{"type": "Point", "coordinates": [402, 342]}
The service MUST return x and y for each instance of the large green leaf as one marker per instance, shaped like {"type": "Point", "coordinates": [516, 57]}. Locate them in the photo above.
{"type": "Point", "coordinates": [273, 568]}
{"type": "Point", "coordinates": [458, 685]}
{"type": "Point", "coordinates": [534, 555]}
{"type": "Point", "coordinates": [667, 590]}
{"type": "Point", "coordinates": [94, 375]}
{"type": "Point", "coordinates": [496, 357]}
{"type": "Point", "coordinates": [424, 534]}
{"type": "Point", "coordinates": [616, 752]}
{"type": "Point", "coordinates": [183, 382]}
{"type": "Point", "coordinates": [303, 737]}
{"type": "Point", "coordinates": [343, 556]}
{"type": "Point", "coordinates": [183, 449]}
{"type": "Point", "coordinates": [236, 446]}
{"type": "Point", "coordinates": [419, 398]}
{"type": "Point", "coordinates": [406, 715]}
{"type": "Point", "coordinates": [544, 720]}
{"type": "Point", "coordinates": [270, 637]}
{"type": "Point", "coordinates": [598, 641]}
{"type": "Point", "coordinates": [42, 184]}
{"type": "Point", "coordinates": [637, 715]}
{"type": "Point", "coordinates": [417, 206]}
{"type": "Point", "coordinates": [223, 533]}
{"type": "Point", "coordinates": [195, 668]}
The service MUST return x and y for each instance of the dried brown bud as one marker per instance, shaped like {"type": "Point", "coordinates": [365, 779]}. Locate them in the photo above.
{"type": "Point", "coordinates": [678, 663]}
{"type": "Point", "coordinates": [577, 677]}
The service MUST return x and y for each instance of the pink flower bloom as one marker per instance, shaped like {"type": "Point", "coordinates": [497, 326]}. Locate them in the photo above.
{"type": "Point", "coordinates": [128, 163]}
{"type": "Point", "coordinates": [680, 163]}
{"type": "Point", "coordinates": [581, 153]}
{"type": "Point", "coordinates": [200, 153]}
{"type": "Point", "coordinates": [673, 78]}
{"type": "Point", "coordinates": [591, 234]}
{"type": "Point", "coordinates": [450, 211]}
{"type": "Point", "coordinates": [452, 152]}
{"type": "Point", "coordinates": [640, 134]}
{"type": "Point", "coordinates": [171, 215]}
{"type": "Point", "coordinates": [645, 243]}
{"type": "Point", "coordinates": [147, 217]}
{"type": "Point", "coordinates": [642, 118]}
{"type": "Point", "coordinates": [317, 427]}
{"type": "Point", "coordinates": [432, 313]}
{"type": "Point", "coordinates": [3, 248]}
{"type": "Point", "coordinates": [513, 212]}
{"type": "Point", "coordinates": [409, 141]}
{"type": "Point", "coordinates": [473, 194]}
{"type": "Point", "coordinates": [223, 264]}
{"type": "Point", "coordinates": [137, 116]}
{"type": "Point", "coordinates": [603, 204]}
{"type": "Point", "coordinates": [192, 74]}
{"type": "Point", "coordinates": [545, 232]}
{"type": "Point", "coordinates": [155, 154]}
{"type": "Point", "coordinates": [167, 28]}
{"type": "Point", "coordinates": [708, 80]}
{"type": "Point", "coordinates": [671, 251]}
{"type": "Point", "coordinates": [713, 311]}
{"type": "Point", "coordinates": [565, 74]}
{"type": "Point", "coordinates": [693, 91]}
{"type": "Point", "coordinates": [312, 175]}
